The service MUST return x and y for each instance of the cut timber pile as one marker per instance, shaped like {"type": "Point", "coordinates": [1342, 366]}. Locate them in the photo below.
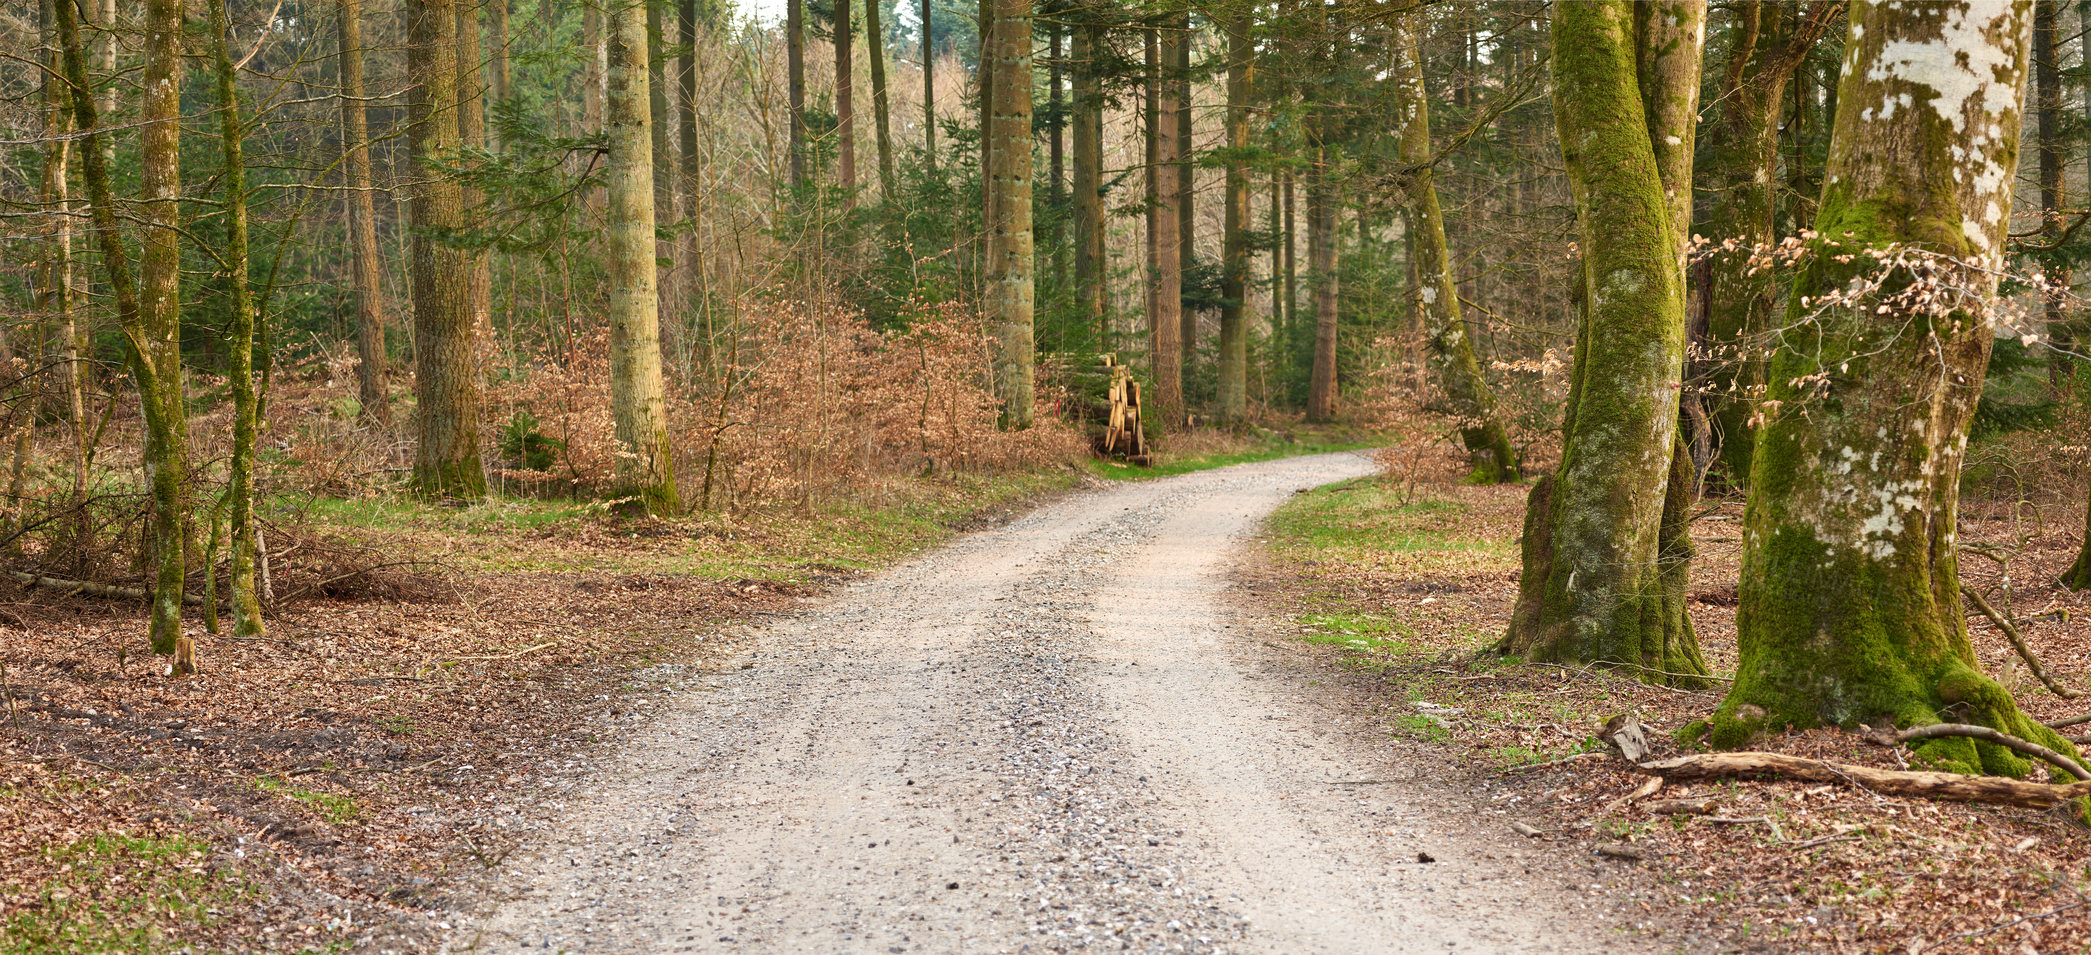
{"type": "Point", "coordinates": [1123, 435]}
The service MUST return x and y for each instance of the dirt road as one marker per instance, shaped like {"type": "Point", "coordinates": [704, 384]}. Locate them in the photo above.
{"type": "Point", "coordinates": [1048, 736]}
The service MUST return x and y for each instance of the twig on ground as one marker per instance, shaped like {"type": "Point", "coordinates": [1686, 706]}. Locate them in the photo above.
{"type": "Point", "coordinates": [2018, 643]}
{"type": "Point", "coordinates": [2006, 740]}
{"type": "Point", "coordinates": [1928, 785]}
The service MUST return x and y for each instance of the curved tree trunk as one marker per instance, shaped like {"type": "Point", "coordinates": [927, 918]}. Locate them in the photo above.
{"type": "Point", "coordinates": [153, 334]}
{"type": "Point", "coordinates": [1594, 587]}
{"type": "Point", "coordinates": [364, 264]}
{"type": "Point", "coordinates": [446, 387]}
{"type": "Point", "coordinates": [1851, 609]}
{"type": "Point", "coordinates": [1450, 351]}
{"type": "Point", "coordinates": [1011, 268]}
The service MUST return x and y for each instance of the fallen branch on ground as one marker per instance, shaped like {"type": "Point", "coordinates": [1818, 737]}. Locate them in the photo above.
{"type": "Point", "coordinates": [1928, 785]}
{"type": "Point", "coordinates": [2018, 642]}
{"type": "Point", "coordinates": [90, 588]}
{"type": "Point", "coordinates": [2006, 740]}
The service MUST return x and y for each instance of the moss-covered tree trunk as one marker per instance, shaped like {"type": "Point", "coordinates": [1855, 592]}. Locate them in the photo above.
{"type": "Point", "coordinates": [1740, 175]}
{"type": "Point", "coordinates": [153, 347]}
{"type": "Point", "coordinates": [1450, 352]}
{"type": "Point", "coordinates": [239, 497]}
{"type": "Point", "coordinates": [1851, 609]}
{"type": "Point", "coordinates": [638, 405]}
{"type": "Point", "coordinates": [1595, 587]}
{"type": "Point", "coordinates": [1011, 266]}
{"type": "Point", "coordinates": [1233, 391]}
{"type": "Point", "coordinates": [364, 262]}
{"type": "Point", "coordinates": [446, 386]}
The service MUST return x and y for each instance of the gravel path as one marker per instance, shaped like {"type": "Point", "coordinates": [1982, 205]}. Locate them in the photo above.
{"type": "Point", "coordinates": [1049, 736]}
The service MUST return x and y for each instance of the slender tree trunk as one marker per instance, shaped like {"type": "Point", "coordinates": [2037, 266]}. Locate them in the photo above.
{"type": "Point", "coordinates": [1177, 54]}
{"type": "Point", "coordinates": [795, 66]}
{"type": "Point", "coordinates": [446, 388]}
{"type": "Point", "coordinates": [56, 295]}
{"type": "Point", "coordinates": [2047, 113]}
{"type": "Point", "coordinates": [166, 444]}
{"type": "Point", "coordinates": [365, 264]}
{"type": "Point", "coordinates": [246, 604]}
{"type": "Point", "coordinates": [498, 61]}
{"type": "Point", "coordinates": [471, 132]}
{"type": "Point", "coordinates": [1851, 610]}
{"type": "Point", "coordinates": [1090, 264]}
{"type": "Point", "coordinates": [929, 88]}
{"type": "Point", "coordinates": [1011, 269]}
{"type": "Point", "coordinates": [1292, 271]}
{"type": "Point", "coordinates": [1594, 587]}
{"type": "Point", "coordinates": [881, 112]}
{"type": "Point", "coordinates": [1450, 352]}
{"type": "Point", "coordinates": [1321, 263]}
{"type": "Point", "coordinates": [1165, 305]}
{"type": "Point", "coordinates": [1056, 149]}
{"type": "Point", "coordinates": [1740, 173]}
{"type": "Point", "coordinates": [845, 108]}
{"type": "Point", "coordinates": [1233, 390]}
{"type": "Point", "coordinates": [659, 120]}
{"type": "Point", "coordinates": [592, 70]}
{"type": "Point", "coordinates": [159, 272]}
{"type": "Point", "coordinates": [646, 466]}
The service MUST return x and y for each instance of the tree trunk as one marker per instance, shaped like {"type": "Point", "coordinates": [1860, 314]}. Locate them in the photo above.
{"type": "Point", "coordinates": [159, 274]}
{"type": "Point", "coordinates": [446, 388]}
{"type": "Point", "coordinates": [1165, 297]}
{"type": "Point", "coordinates": [1450, 352]}
{"type": "Point", "coordinates": [364, 265]}
{"type": "Point", "coordinates": [56, 298]}
{"type": "Point", "coordinates": [1091, 271]}
{"type": "Point", "coordinates": [646, 463]}
{"type": "Point", "coordinates": [1010, 272]}
{"type": "Point", "coordinates": [1233, 391]}
{"type": "Point", "coordinates": [929, 89]}
{"type": "Point", "coordinates": [845, 109]}
{"type": "Point", "coordinates": [146, 331]}
{"type": "Point", "coordinates": [658, 118]}
{"type": "Point", "coordinates": [498, 60]}
{"type": "Point", "coordinates": [1741, 174]}
{"type": "Point", "coordinates": [246, 604]}
{"type": "Point", "coordinates": [592, 70]}
{"type": "Point", "coordinates": [795, 67]}
{"type": "Point", "coordinates": [1292, 271]}
{"type": "Point", "coordinates": [1056, 151]}
{"type": "Point", "coordinates": [1851, 611]}
{"type": "Point", "coordinates": [471, 132]}
{"type": "Point", "coordinates": [881, 112]}
{"type": "Point", "coordinates": [1177, 54]}
{"type": "Point", "coordinates": [1596, 586]}
{"type": "Point", "coordinates": [1321, 266]}
{"type": "Point", "coordinates": [2047, 112]}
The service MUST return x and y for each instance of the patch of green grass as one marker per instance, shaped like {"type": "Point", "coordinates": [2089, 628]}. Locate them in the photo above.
{"type": "Point", "coordinates": [117, 894]}
{"type": "Point", "coordinates": [1419, 726]}
{"type": "Point", "coordinates": [1364, 633]}
{"type": "Point", "coordinates": [1263, 446]}
{"type": "Point", "coordinates": [1359, 518]}
{"type": "Point", "coordinates": [338, 809]}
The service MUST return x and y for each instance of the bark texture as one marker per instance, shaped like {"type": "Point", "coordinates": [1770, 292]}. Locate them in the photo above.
{"type": "Point", "coordinates": [239, 496]}
{"type": "Point", "coordinates": [1449, 350]}
{"type": "Point", "coordinates": [1011, 269]}
{"type": "Point", "coordinates": [365, 267]}
{"type": "Point", "coordinates": [1598, 586]}
{"type": "Point", "coordinates": [1233, 392]}
{"type": "Point", "coordinates": [1321, 266]}
{"type": "Point", "coordinates": [446, 388]}
{"type": "Point", "coordinates": [845, 104]}
{"type": "Point", "coordinates": [795, 85]}
{"type": "Point", "coordinates": [1850, 600]}
{"type": "Point", "coordinates": [1164, 261]}
{"type": "Point", "coordinates": [881, 111]}
{"type": "Point", "coordinates": [638, 403]}
{"type": "Point", "coordinates": [1088, 106]}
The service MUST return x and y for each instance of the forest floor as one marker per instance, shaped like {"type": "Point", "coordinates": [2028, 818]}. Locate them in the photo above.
{"type": "Point", "coordinates": [1396, 587]}
{"type": "Point", "coordinates": [430, 669]}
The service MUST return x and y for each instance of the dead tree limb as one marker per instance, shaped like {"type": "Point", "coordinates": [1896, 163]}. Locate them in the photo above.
{"type": "Point", "coordinates": [90, 588]}
{"type": "Point", "coordinates": [2006, 740]}
{"type": "Point", "coordinates": [2018, 642]}
{"type": "Point", "coordinates": [1928, 785]}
